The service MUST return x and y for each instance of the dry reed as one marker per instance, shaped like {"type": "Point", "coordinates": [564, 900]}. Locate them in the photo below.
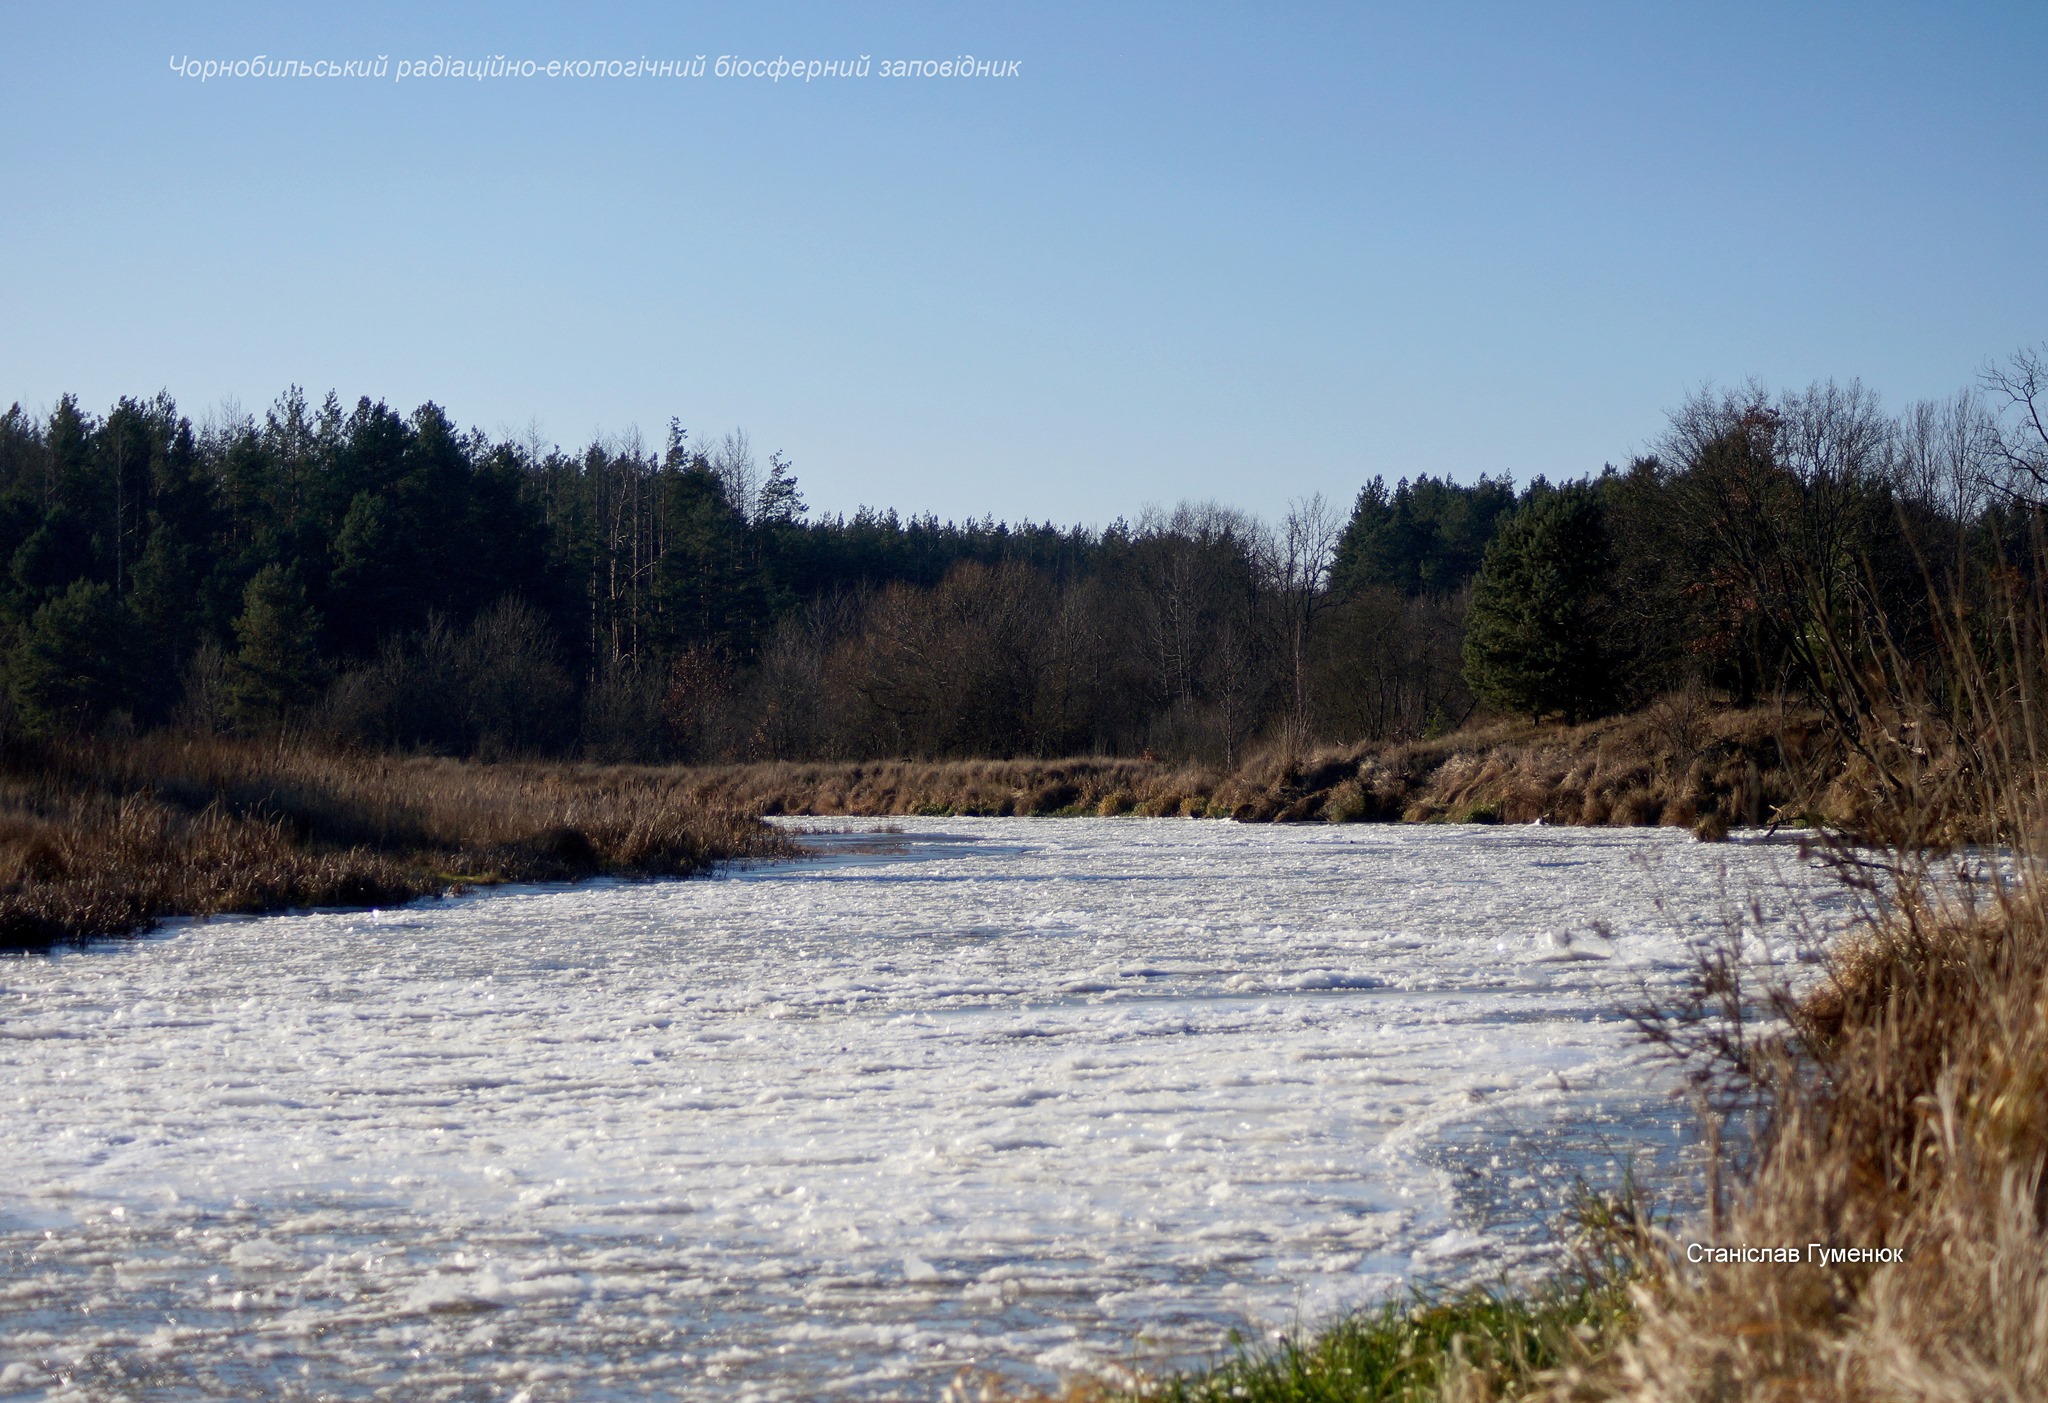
{"type": "Point", "coordinates": [104, 838]}
{"type": "Point", "coordinates": [1903, 1102]}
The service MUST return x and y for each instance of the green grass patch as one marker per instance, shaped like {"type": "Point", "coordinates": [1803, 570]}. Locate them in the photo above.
{"type": "Point", "coordinates": [1472, 1345]}
{"type": "Point", "coordinates": [1476, 1344]}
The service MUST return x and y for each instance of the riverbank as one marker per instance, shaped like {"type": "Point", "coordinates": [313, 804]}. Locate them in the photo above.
{"type": "Point", "coordinates": [1675, 764]}
{"type": "Point", "coordinates": [105, 838]}
{"type": "Point", "coordinates": [1902, 1119]}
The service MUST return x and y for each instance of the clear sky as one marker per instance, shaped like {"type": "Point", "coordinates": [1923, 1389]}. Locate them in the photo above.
{"type": "Point", "coordinates": [1188, 250]}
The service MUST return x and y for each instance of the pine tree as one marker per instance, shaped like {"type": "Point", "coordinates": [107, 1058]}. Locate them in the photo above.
{"type": "Point", "coordinates": [276, 668]}
{"type": "Point", "coordinates": [76, 661]}
{"type": "Point", "coordinates": [1535, 633]}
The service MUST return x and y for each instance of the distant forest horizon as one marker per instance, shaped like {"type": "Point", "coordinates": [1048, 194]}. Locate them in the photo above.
{"type": "Point", "coordinates": [387, 580]}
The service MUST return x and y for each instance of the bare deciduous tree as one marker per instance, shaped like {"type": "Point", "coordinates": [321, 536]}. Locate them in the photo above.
{"type": "Point", "coordinates": [2019, 389]}
{"type": "Point", "coordinates": [1791, 500]}
{"type": "Point", "coordinates": [1307, 549]}
{"type": "Point", "coordinates": [1948, 455]}
{"type": "Point", "coordinates": [733, 464]}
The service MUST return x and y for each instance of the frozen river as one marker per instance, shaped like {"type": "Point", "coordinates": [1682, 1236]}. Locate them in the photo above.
{"type": "Point", "coordinates": [1010, 1093]}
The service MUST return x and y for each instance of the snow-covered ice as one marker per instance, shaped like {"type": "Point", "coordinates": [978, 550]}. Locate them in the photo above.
{"type": "Point", "coordinates": [1024, 1094]}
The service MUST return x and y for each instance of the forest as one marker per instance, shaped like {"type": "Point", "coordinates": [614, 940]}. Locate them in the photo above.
{"type": "Point", "coordinates": [376, 579]}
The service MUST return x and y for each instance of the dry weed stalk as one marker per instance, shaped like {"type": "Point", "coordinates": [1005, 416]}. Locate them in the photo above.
{"type": "Point", "coordinates": [1905, 1103]}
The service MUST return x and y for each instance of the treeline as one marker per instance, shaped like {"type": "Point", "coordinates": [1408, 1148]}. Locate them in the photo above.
{"type": "Point", "coordinates": [389, 580]}
{"type": "Point", "coordinates": [1808, 543]}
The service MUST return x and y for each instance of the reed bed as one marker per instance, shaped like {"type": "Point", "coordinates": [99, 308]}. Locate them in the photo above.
{"type": "Point", "coordinates": [107, 837]}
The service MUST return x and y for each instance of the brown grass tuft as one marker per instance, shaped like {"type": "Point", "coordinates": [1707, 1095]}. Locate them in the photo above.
{"type": "Point", "coordinates": [1909, 1113]}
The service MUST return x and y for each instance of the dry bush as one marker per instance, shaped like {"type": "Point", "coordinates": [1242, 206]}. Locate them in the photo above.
{"type": "Point", "coordinates": [1683, 721]}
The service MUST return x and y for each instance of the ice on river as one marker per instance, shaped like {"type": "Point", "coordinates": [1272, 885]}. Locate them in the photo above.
{"type": "Point", "coordinates": [1012, 1093]}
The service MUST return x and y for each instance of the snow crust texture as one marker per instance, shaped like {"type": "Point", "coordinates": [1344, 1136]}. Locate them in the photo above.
{"type": "Point", "coordinates": [1029, 1095]}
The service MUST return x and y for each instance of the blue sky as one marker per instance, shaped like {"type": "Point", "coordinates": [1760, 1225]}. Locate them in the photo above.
{"type": "Point", "coordinates": [1188, 251]}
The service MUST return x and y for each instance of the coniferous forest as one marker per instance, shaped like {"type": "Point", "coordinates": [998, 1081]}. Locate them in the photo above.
{"type": "Point", "coordinates": [369, 577]}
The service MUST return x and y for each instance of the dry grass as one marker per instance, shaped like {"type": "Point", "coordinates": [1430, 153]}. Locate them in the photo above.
{"type": "Point", "coordinates": [1904, 1103]}
{"type": "Point", "coordinates": [1717, 768]}
{"type": "Point", "coordinates": [990, 787]}
{"type": "Point", "coordinates": [105, 838]}
{"type": "Point", "coordinates": [1909, 1111]}
{"type": "Point", "coordinates": [1679, 763]}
